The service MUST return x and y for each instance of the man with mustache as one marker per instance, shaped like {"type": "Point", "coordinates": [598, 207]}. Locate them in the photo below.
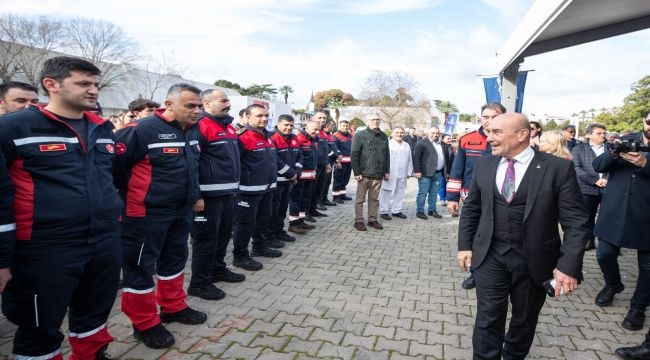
{"type": "Point", "coordinates": [219, 172]}
{"type": "Point", "coordinates": [157, 176]}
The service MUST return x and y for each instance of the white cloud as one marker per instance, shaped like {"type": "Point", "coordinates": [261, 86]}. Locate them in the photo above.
{"type": "Point", "coordinates": [375, 7]}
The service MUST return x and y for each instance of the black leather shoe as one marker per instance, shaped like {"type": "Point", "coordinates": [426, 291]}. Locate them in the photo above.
{"type": "Point", "coordinates": [385, 217]}
{"type": "Point", "coordinates": [327, 202]}
{"type": "Point", "coordinates": [275, 244]}
{"type": "Point", "coordinates": [435, 214]}
{"type": "Point", "coordinates": [156, 337]}
{"type": "Point", "coordinates": [186, 316]}
{"type": "Point", "coordinates": [634, 320]}
{"type": "Point", "coordinates": [469, 283]}
{"type": "Point", "coordinates": [269, 253]}
{"type": "Point", "coordinates": [606, 296]}
{"type": "Point", "coordinates": [634, 353]}
{"type": "Point", "coordinates": [286, 237]}
{"type": "Point", "coordinates": [310, 218]}
{"type": "Point", "coordinates": [227, 275]}
{"type": "Point", "coordinates": [338, 200]}
{"type": "Point", "coordinates": [344, 197]}
{"type": "Point", "coordinates": [320, 207]}
{"type": "Point", "coordinates": [421, 215]}
{"type": "Point", "coordinates": [247, 263]}
{"type": "Point", "coordinates": [101, 354]}
{"type": "Point", "coordinates": [317, 213]}
{"type": "Point", "coordinates": [399, 215]}
{"type": "Point", "coordinates": [206, 292]}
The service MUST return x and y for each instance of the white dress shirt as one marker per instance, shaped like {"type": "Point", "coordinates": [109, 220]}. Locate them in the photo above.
{"type": "Point", "coordinates": [522, 160]}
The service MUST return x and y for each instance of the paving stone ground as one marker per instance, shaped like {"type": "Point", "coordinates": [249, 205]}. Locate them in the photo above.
{"type": "Point", "coordinates": [338, 293]}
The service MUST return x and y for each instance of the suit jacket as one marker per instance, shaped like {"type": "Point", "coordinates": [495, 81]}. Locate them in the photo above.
{"type": "Point", "coordinates": [553, 196]}
{"type": "Point", "coordinates": [623, 215]}
{"type": "Point", "coordinates": [583, 157]}
{"type": "Point", "coordinates": [425, 158]}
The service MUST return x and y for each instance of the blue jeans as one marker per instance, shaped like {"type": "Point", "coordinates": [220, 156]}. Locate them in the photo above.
{"type": "Point", "coordinates": [443, 189]}
{"type": "Point", "coordinates": [428, 185]}
{"type": "Point", "coordinates": [607, 256]}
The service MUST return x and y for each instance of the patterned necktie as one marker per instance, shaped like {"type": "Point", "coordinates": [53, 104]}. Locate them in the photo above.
{"type": "Point", "coordinates": [508, 186]}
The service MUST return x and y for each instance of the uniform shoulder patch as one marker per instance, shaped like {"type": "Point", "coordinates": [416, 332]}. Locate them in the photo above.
{"type": "Point", "coordinates": [241, 131]}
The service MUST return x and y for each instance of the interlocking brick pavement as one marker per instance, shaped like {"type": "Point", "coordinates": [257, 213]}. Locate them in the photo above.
{"type": "Point", "coordinates": [339, 293]}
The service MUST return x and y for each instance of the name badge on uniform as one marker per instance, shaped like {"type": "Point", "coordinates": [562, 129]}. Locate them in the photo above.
{"type": "Point", "coordinates": [170, 150]}
{"type": "Point", "coordinates": [52, 147]}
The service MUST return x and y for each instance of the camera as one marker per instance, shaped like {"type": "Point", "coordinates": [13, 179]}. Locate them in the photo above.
{"type": "Point", "coordinates": [626, 146]}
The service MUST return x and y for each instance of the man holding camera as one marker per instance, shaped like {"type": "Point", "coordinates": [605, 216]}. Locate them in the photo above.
{"type": "Point", "coordinates": [622, 220]}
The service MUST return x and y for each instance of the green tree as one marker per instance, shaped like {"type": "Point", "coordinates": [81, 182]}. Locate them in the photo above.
{"type": "Point", "coordinates": [445, 107]}
{"type": "Point", "coordinates": [228, 85]}
{"type": "Point", "coordinates": [629, 116]}
{"type": "Point", "coordinates": [550, 125]}
{"type": "Point", "coordinates": [285, 90]}
{"type": "Point", "coordinates": [467, 117]}
{"type": "Point", "coordinates": [261, 91]}
{"type": "Point", "coordinates": [334, 99]}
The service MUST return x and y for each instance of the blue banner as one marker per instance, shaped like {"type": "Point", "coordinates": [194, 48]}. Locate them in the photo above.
{"type": "Point", "coordinates": [521, 85]}
{"type": "Point", "coordinates": [492, 89]}
{"type": "Point", "coordinates": [452, 120]}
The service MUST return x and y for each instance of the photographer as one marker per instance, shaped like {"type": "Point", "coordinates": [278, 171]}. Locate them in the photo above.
{"type": "Point", "coordinates": [622, 220]}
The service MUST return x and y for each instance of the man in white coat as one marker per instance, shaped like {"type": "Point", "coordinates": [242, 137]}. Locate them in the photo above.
{"type": "Point", "coordinates": [401, 167]}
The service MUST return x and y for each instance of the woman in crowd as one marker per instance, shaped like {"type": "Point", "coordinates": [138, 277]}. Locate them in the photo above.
{"type": "Point", "coordinates": [554, 143]}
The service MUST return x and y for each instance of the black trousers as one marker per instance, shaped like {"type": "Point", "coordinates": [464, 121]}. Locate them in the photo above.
{"type": "Point", "coordinates": [341, 179]}
{"type": "Point", "coordinates": [252, 215]}
{"type": "Point", "coordinates": [51, 276]}
{"type": "Point", "coordinates": [317, 189]}
{"type": "Point", "coordinates": [211, 231]}
{"type": "Point", "coordinates": [280, 206]}
{"type": "Point", "coordinates": [592, 202]}
{"type": "Point", "coordinates": [326, 184]}
{"type": "Point", "coordinates": [498, 278]}
{"type": "Point", "coordinates": [300, 200]}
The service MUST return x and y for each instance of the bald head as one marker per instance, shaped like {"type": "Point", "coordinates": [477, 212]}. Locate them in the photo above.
{"type": "Point", "coordinates": [509, 134]}
{"type": "Point", "coordinates": [215, 102]}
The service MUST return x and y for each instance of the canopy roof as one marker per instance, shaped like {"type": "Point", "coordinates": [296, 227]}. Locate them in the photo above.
{"type": "Point", "coordinates": [556, 24]}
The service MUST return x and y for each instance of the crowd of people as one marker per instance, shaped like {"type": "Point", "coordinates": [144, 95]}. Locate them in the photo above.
{"type": "Point", "coordinates": [137, 186]}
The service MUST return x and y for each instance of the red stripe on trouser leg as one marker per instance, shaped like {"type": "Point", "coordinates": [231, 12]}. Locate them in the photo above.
{"type": "Point", "coordinates": [58, 357]}
{"type": "Point", "coordinates": [170, 294]}
{"type": "Point", "coordinates": [86, 347]}
{"type": "Point", "coordinates": [141, 309]}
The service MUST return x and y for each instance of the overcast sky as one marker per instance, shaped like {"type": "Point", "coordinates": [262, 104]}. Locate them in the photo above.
{"type": "Point", "coordinates": [315, 45]}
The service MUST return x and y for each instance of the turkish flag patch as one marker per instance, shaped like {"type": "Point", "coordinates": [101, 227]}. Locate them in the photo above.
{"type": "Point", "coordinates": [52, 147]}
{"type": "Point", "coordinates": [110, 148]}
{"type": "Point", "coordinates": [120, 148]}
{"type": "Point", "coordinates": [170, 150]}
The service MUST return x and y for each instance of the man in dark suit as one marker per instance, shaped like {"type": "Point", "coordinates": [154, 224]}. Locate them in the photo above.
{"type": "Point", "coordinates": [623, 223]}
{"type": "Point", "coordinates": [591, 182]}
{"type": "Point", "coordinates": [430, 165]}
{"type": "Point", "coordinates": [411, 138]}
{"type": "Point", "coordinates": [508, 233]}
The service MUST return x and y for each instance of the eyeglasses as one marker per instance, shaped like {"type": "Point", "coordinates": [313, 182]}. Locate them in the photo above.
{"type": "Point", "coordinates": [375, 119]}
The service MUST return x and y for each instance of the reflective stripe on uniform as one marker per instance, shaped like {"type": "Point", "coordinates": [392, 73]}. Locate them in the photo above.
{"type": "Point", "coordinates": [216, 187]}
{"type": "Point", "coordinates": [167, 144]}
{"type": "Point", "coordinates": [170, 277]}
{"type": "Point", "coordinates": [88, 333]}
{"type": "Point", "coordinates": [40, 357]}
{"type": "Point", "coordinates": [42, 139]}
{"type": "Point", "coordinates": [7, 227]}
{"type": "Point", "coordinates": [284, 169]}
